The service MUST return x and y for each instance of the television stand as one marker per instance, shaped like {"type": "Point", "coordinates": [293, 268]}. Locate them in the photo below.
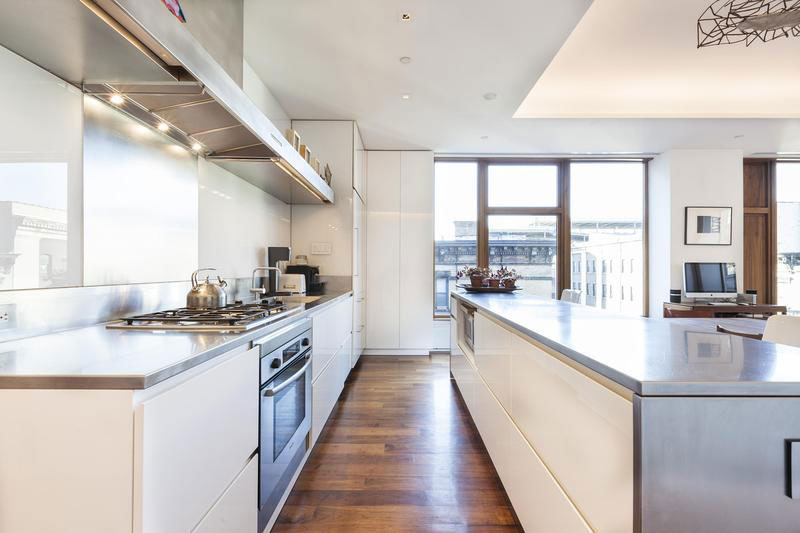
{"type": "Point", "coordinates": [720, 309]}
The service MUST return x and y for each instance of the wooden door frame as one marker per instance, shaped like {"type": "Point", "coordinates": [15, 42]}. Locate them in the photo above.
{"type": "Point", "coordinates": [771, 211]}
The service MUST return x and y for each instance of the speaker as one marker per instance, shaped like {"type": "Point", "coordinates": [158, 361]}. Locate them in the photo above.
{"type": "Point", "coordinates": [675, 296]}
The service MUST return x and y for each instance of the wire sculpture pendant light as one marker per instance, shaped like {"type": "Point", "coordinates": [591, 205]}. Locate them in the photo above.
{"type": "Point", "coordinates": [748, 21]}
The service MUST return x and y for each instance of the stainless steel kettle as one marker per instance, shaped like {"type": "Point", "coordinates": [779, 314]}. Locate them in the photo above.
{"type": "Point", "coordinates": [207, 295]}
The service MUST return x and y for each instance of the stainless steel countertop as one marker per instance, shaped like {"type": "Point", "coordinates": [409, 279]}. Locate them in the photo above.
{"type": "Point", "coordinates": [652, 356]}
{"type": "Point", "coordinates": [99, 358]}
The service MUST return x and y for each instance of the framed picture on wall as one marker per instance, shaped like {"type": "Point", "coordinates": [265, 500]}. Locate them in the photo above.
{"type": "Point", "coordinates": [708, 226]}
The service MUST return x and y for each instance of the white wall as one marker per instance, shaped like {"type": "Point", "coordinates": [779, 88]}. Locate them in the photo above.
{"type": "Point", "coordinates": [259, 93]}
{"type": "Point", "coordinates": [685, 178]}
{"type": "Point", "coordinates": [237, 221]}
{"type": "Point", "coordinates": [331, 141]}
{"type": "Point", "coordinates": [399, 252]}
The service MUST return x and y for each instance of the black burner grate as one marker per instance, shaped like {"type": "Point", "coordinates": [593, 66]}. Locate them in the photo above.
{"type": "Point", "coordinates": [237, 314]}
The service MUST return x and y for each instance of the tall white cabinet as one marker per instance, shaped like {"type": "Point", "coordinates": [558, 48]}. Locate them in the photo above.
{"type": "Point", "coordinates": [399, 293]}
{"type": "Point", "coordinates": [340, 228]}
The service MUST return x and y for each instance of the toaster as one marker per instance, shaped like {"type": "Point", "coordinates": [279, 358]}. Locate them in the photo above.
{"type": "Point", "coordinates": [292, 283]}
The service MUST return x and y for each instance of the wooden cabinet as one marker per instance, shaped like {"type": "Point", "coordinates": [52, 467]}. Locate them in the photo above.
{"type": "Point", "coordinates": [191, 440]}
{"type": "Point", "coordinates": [237, 510]}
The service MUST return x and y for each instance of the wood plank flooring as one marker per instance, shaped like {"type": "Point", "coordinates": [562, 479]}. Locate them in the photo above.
{"type": "Point", "coordinates": [399, 452]}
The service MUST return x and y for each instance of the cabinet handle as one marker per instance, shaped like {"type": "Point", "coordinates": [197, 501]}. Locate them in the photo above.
{"type": "Point", "coordinates": [793, 469]}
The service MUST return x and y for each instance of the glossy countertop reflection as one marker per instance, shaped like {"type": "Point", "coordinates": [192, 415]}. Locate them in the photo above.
{"type": "Point", "coordinates": [651, 356]}
{"type": "Point", "coordinates": [100, 358]}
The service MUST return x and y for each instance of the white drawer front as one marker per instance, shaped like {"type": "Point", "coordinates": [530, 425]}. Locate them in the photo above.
{"type": "Point", "coordinates": [327, 389]}
{"type": "Point", "coordinates": [332, 327]}
{"type": "Point", "coordinates": [539, 502]}
{"type": "Point", "coordinates": [237, 510]}
{"type": "Point", "coordinates": [581, 430]}
{"type": "Point", "coordinates": [191, 442]}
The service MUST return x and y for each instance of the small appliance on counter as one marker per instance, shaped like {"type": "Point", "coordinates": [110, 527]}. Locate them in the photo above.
{"type": "Point", "coordinates": [292, 284]}
{"type": "Point", "coordinates": [313, 285]}
{"type": "Point", "coordinates": [207, 295]}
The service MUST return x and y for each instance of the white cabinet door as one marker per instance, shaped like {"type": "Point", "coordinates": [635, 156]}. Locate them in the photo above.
{"type": "Point", "coordinates": [327, 389]}
{"type": "Point", "coordinates": [332, 327]}
{"type": "Point", "coordinates": [538, 500]}
{"type": "Point", "coordinates": [191, 441]}
{"type": "Point", "coordinates": [581, 430]}
{"type": "Point", "coordinates": [359, 164]}
{"type": "Point", "coordinates": [416, 251]}
{"type": "Point", "coordinates": [493, 357]}
{"type": "Point", "coordinates": [383, 250]}
{"type": "Point", "coordinates": [237, 510]}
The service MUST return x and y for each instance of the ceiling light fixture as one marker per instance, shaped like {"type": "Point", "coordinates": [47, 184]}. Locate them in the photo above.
{"type": "Point", "coordinates": [490, 96]}
{"type": "Point", "coordinates": [405, 60]}
{"type": "Point", "coordinates": [405, 96]}
{"type": "Point", "coordinates": [163, 126]}
{"type": "Point", "coordinates": [405, 17]}
{"type": "Point", "coordinates": [117, 99]}
{"type": "Point", "coordinates": [484, 137]}
{"type": "Point", "coordinates": [748, 21]}
{"type": "Point", "coordinates": [197, 146]}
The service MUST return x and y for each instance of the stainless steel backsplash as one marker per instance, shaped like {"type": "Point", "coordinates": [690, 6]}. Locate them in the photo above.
{"type": "Point", "coordinates": [41, 311]}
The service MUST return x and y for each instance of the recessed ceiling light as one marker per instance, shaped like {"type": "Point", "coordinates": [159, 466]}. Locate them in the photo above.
{"type": "Point", "coordinates": [490, 96]}
{"type": "Point", "coordinates": [405, 96]}
{"type": "Point", "coordinates": [405, 60]}
{"type": "Point", "coordinates": [163, 126]}
{"type": "Point", "coordinates": [117, 99]}
{"type": "Point", "coordinates": [484, 137]}
{"type": "Point", "coordinates": [405, 17]}
{"type": "Point", "coordinates": [197, 147]}
{"type": "Point", "coordinates": [740, 136]}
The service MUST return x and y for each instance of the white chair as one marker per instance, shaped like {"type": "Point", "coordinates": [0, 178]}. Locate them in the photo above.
{"type": "Point", "coordinates": [780, 329]}
{"type": "Point", "coordinates": [569, 295]}
{"type": "Point", "coordinates": [783, 329]}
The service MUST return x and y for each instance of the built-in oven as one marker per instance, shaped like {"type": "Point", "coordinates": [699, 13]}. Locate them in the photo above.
{"type": "Point", "coordinates": [285, 406]}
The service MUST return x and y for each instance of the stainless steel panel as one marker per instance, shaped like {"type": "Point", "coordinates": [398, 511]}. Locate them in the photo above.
{"type": "Point", "coordinates": [43, 311]}
{"type": "Point", "coordinates": [67, 39]}
{"type": "Point", "coordinates": [716, 464]}
{"type": "Point", "coordinates": [219, 26]}
{"type": "Point", "coordinates": [650, 356]}
{"type": "Point", "coordinates": [140, 202]}
{"type": "Point", "coordinates": [197, 61]}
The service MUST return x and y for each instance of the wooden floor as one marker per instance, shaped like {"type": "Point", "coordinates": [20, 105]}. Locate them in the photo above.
{"type": "Point", "coordinates": [398, 453]}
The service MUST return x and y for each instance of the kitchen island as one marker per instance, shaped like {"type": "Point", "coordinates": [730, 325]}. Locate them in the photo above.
{"type": "Point", "coordinates": [601, 422]}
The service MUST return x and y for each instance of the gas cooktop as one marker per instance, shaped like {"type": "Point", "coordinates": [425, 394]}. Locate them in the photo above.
{"type": "Point", "coordinates": [236, 318]}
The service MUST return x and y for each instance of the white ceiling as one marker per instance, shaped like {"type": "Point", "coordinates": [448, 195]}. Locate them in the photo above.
{"type": "Point", "coordinates": [640, 59]}
{"type": "Point", "coordinates": [341, 60]}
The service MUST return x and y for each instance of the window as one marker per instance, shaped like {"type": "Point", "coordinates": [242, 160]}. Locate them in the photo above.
{"type": "Point", "coordinates": [607, 215]}
{"type": "Point", "coordinates": [514, 213]}
{"type": "Point", "coordinates": [455, 226]}
{"type": "Point", "coordinates": [787, 196]}
{"type": "Point", "coordinates": [523, 185]}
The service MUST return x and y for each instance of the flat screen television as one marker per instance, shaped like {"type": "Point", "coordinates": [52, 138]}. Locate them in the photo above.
{"type": "Point", "coordinates": [709, 280]}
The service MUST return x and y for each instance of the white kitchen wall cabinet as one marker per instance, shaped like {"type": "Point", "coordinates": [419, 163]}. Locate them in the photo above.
{"type": "Point", "coordinates": [399, 295]}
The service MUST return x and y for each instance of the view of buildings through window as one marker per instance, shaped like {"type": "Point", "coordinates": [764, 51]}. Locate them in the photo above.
{"type": "Point", "coordinates": [787, 195]}
{"type": "Point", "coordinates": [606, 214]}
{"type": "Point", "coordinates": [606, 209]}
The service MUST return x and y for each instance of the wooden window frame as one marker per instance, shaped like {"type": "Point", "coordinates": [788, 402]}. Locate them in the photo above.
{"type": "Point", "coordinates": [561, 211]}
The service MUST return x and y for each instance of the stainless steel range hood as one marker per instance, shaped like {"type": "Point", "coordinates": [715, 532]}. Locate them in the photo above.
{"type": "Point", "coordinates": [155, 69]}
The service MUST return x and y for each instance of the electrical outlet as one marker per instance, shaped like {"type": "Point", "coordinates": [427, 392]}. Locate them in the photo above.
{"type": "Point", "coordinates": [6, 315]}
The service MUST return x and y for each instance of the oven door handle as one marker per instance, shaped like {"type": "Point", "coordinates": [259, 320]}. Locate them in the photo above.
{"type": "Point", "coordinates": [276, 390]}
